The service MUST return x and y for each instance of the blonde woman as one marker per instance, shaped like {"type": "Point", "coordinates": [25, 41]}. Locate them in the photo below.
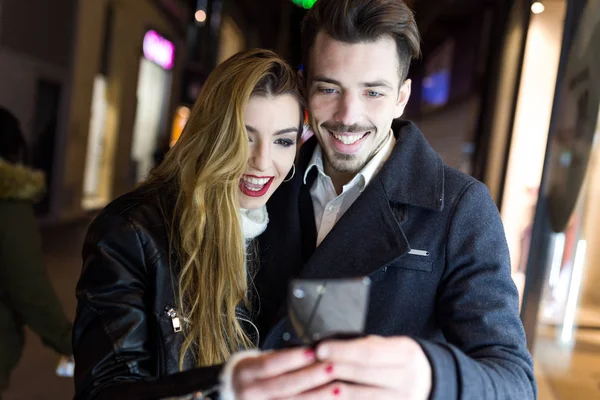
{"type": "Point", "coordinates": [165, 293]}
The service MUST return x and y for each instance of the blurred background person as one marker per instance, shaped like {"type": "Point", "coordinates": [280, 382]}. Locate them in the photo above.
{"type": "Point", "coordinates": [26, 296]}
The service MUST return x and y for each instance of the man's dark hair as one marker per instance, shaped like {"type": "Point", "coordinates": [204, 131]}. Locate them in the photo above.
{"type": "Point", "coordinates": [359, 21]}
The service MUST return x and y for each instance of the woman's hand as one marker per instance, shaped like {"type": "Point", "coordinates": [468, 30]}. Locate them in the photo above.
{"type": "Point", "coordinates": [279, 374]}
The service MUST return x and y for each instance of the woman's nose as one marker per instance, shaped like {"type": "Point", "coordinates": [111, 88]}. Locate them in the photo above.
{"type": "Point", "coordinates": [261, 157]}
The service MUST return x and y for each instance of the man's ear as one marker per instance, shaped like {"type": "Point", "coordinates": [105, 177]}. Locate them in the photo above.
{"type": "Point", "coordinates": [403, 97]}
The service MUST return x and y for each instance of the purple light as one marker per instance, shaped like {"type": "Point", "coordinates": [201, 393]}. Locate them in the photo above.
{"type": "Point", "coordinates": [159, 50]}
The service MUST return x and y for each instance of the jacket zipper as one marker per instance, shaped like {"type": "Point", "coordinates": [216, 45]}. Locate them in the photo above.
{"type": "Point", "coordinates": [175, 321]}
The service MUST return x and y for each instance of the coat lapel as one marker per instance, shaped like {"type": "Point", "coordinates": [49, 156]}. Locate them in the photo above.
{"type": "Point", "coordinates": [367, 237]}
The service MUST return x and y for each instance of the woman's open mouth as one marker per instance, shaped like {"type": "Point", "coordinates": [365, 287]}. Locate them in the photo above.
{"type": "Point", "coordinates": [255, 186]}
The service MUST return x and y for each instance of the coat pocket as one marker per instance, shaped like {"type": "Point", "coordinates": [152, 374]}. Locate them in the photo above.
{"type": "Point", "coordinates": [413, 262]}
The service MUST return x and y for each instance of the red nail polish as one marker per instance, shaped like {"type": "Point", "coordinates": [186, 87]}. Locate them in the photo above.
{"type": "Point", "coordinates": [336, 391]}
{"type": "Point", "coordinates": [329, 369]}
{"type": "Point", "coordinates": [309, 353]}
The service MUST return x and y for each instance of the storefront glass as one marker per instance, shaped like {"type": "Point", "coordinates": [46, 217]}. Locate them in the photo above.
{"type": "Point", "coordinates": [562, 302]}
{"type": "Point", "coordinates": [530, 132]}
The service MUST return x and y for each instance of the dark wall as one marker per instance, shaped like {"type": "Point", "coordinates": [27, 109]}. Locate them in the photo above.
{"type": "Point", "coordinates": [41, 28]}
{"type": "Point", "coordinates": [470, 34]}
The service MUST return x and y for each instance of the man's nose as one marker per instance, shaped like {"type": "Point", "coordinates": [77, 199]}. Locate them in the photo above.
{"type": "Point", "coordinates": [350, 109]}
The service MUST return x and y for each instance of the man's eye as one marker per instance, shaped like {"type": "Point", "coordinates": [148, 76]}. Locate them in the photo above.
{"type": "Point", "coordinates": [372, 93]}
{"type": "Point", "coordinates": [327, 90]}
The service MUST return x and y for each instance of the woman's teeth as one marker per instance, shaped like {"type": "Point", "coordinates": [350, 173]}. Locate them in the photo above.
{"type": "Point", "coordinates": [256, 181]}
{"type": "Point", "coordinates": [349, 139]}
{"type": "Point", "coordinates": [255, 184]}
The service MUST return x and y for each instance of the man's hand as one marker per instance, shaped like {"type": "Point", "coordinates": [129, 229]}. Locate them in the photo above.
{"type": "Point", "coordinates": [279, 374]}
{"type": "Point", "coordinates": [373, 368]}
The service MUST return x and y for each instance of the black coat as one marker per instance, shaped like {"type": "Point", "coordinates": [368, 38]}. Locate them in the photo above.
{"type": "Point", "coordinates": [459, 302]}
{"type": "Point", "coordinates": [124, 342]}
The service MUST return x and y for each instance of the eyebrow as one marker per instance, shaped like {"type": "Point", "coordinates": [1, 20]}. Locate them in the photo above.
{"type": "Point", "coordinates": [379, 83]}
{"type": "Point", "coordinates": [252, 129]}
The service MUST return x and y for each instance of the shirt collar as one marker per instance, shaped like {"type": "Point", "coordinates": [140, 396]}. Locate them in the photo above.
{"type": "Point", "coordinates": [316, 161]}
{"type": "Point", "coordinates": [366, 174]}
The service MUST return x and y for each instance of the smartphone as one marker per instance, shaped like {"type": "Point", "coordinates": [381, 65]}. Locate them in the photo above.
{"type": "Point", "coordinates": [327, 309]}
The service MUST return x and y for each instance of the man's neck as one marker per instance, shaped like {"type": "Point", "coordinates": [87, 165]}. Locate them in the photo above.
{"type": "Point", "coordinates": [339, 179]}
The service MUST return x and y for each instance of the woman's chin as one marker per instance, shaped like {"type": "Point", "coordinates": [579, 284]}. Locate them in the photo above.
{"type": "Point", "coordinates": [252, 203]}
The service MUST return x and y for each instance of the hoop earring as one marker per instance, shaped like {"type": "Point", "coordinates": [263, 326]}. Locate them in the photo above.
{"type": "Point", "coordinates": [293, 173]}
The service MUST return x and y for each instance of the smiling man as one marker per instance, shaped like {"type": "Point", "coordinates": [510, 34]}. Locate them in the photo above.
{"type": "Point", "coordinates": [372, 198]}
{"type": "Point", "coordinates": [354, 94]}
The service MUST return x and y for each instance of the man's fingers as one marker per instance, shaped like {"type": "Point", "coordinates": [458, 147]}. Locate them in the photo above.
{"type": "Point", "coordinates": [370, 351]}
{"type": "Point", "coordinates": [271, 364]}
{"type": "Point", "coordinates": [346, 391]}
{"type": "Point", "coordinates": [383, 377]}
{"type": "Point", "coordinates": [290, 384]}
{"type": "Point", "coordinates": [397, 364]}
{"type": "Point", "coordinates": [371, 367]}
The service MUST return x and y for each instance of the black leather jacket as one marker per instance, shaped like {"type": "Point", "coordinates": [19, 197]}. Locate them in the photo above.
{"type": "Point", "coordinates": [126, 341]}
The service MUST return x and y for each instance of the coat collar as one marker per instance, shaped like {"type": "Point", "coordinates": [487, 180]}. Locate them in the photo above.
{"type": "Point", "coordinates": [412, 175]}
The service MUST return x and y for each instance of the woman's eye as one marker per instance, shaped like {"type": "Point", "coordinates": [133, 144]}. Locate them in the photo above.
{"type": "Point", "coordinates": [285, 142]}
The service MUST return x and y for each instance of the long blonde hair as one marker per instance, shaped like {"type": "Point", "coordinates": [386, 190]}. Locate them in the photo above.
{"type": "Point", "coordinates": [207, 164]}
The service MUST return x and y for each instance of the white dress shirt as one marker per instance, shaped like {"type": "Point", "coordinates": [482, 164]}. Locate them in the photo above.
{"type": "Point", "coordinates": [328, 206]}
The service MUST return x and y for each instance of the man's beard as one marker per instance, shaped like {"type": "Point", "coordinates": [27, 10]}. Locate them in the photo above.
{"type": "Point", "coordinates": [346, 163]}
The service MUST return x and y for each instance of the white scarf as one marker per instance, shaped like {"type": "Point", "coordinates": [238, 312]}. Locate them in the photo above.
{"type": "Point", "coordinates": [254, 221]}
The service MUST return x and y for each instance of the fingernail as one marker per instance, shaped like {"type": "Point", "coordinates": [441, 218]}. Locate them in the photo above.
{"type": "Point", "coordinates": [309, 353]}
{"type": "Point", "coordinates": [322, 352]}
{"type": "Point", "coordinates": [336, 391]}
{"type": "Point", "coordinates": [329, 369]}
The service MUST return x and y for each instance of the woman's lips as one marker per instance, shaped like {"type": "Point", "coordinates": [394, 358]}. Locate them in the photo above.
{"type": "Point", "coordinates": [254, 186]}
